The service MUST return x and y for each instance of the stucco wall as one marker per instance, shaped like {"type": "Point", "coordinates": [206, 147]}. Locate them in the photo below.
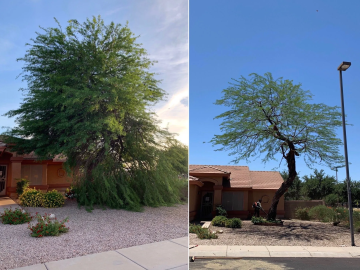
{"type": "Point", "coordinates": [193, 190]}
{"type": "Point", "coordinates": [57, 175]}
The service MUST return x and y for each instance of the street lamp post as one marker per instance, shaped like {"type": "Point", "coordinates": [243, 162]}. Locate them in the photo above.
{"type": "Point", "coordinates": [344, 66]}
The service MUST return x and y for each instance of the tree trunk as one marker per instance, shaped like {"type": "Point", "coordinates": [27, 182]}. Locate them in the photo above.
{"type": "Point", "coordinates": [290, 159]}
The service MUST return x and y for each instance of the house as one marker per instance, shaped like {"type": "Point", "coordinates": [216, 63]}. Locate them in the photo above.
{"type": "Point", "coordinates": [43, 175]}
{"type": "Point", "coordinates": [236, 188]}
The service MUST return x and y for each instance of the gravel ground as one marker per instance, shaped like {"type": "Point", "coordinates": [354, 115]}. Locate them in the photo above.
{"type": "Point", "coordinates": [293, 233]}
{"type": "Point", "coordinates": [99, 231]}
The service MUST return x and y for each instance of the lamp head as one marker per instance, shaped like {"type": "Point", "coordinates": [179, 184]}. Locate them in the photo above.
{"type": "Point", "coordinates": [344, 66]}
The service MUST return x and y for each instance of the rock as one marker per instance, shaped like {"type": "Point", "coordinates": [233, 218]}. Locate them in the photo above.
{"type": "Point", "coordinates": [23, 211]}
{"type": "Point", "coordinates": [220, 231]}
{"type": "Point", "coordinates": [52, 216]}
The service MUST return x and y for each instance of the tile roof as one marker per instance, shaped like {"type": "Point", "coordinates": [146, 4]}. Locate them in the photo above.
{"type": "Point", "coordinates": [242, 177]}
{"type": "Point", "coordinates": [193, 178]}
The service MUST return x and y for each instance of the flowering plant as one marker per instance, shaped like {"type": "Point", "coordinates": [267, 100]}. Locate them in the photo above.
{"type": "Point", "coordinates": [70, 193]}
{"type": "Point", "coordinates": [47, 227]}
{"type": "Point", "coordinates": [13, 217]}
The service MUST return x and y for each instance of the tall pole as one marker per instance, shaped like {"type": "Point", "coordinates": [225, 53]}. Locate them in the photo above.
{"type": "Point", "coordinates": [347, 163]}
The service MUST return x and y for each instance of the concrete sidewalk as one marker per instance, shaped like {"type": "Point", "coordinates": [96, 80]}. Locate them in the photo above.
{"type": "Point", "coordinates": [170, 254]}
{"type": "Point", "coordinates": [6, 202]}
{"type": "Point", "coordinates": [274, 251]}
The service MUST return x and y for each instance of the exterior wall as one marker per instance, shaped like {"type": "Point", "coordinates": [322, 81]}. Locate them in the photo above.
{"type": "Point", "coordinates": [267, 196]}
{"type": "Point", "coordinates": [290, 206]}
{"type": "Point", "coordinates": [193, 199]}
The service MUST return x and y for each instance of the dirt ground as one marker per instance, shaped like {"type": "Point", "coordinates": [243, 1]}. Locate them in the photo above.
{"type": "Point", "coordinates": [292, 233]}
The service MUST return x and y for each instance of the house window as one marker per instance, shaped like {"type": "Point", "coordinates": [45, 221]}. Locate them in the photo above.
{"type": "Point", "coordinates": [33, 173]}
{"type": "Point", "coordinates": [233, 200]}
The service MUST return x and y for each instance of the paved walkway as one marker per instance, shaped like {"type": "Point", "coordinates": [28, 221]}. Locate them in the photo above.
{"type": "Point", "coordinates": [274, 251]}
{"type": "Point", "coordinates": [6, 202]}
{"type": "Point", "coordinates": [170, 254]}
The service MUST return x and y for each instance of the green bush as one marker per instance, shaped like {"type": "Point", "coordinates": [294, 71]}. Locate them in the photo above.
{"type": "Point", "coordinates": [257, 220]}
{"type": "Point", "coordinates": [331, 200]}
{"type": "Point", "coordinates": [322, 213]}
{"type": "Point", "coordinates": [46, 227]}
{"type": "Point", "coordinates": [31, 197]}
{"type": "Point", "coordinates": [233, 223]}
{"type": "Point", "coordinates": [206, 234]}
{"type": "Point", "coordinates": [14, 217]}
{"type": "Point", "coordinates": [53, 199]}
{"type": "Point", "coordinates": [194, 228]}
{"type": "Point", "coordinates": [219, 221]}
{"type": "Point", "coordinates": [302, 213]}
{"type": "Point", "coordinates": [221, 211]}
{"type": "Point", "coordinates": [21, 185]}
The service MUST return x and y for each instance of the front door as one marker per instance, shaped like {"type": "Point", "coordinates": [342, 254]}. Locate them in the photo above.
{"type": "Point", "coordinates": [3, 180]}
{"type": "Point", "coordinates": [207, 205]}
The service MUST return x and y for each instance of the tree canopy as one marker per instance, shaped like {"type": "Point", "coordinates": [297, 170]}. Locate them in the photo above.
{"type": "Point", "coordinates": [88, 97]}
{"type": "Point", "coordinates": [276, 117]}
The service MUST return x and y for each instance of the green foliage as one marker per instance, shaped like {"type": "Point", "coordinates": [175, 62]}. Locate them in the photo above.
{"type": "Point", "coordinates": [233, 223]}
{"type": "Point", "coordinates": [47, 227]}
{"type": "Point", "coordinates": [322, 213]}
{"type": "Point", "coordinates": [71, 193]}
{"type": "Point", "coordinates": [21, 185]}
{"type": "Point", "coordinates": [318, 185]}
{"type": "Point", "coordinates": [14, 217]}
{"type": "Point", "coordinates": [331, 200]}
{"type": "Point", "coordinates": [302, 213]}
{"type": "Point", "coordinates": [53, 199]}
{"type": "Point", "coordinates": [219, 221]}
{"type": "Point", "coordinates": [257, 220]}
{"type": "Point", "coordinates": [221, 211]}
{"type": "Point", "coordinates": [88, 98]}
{"type": "Point", "coordinates": [202, 233]}
{"type": "Point", "coordinates": [206, 234]}
{"type": "Point", "coordinates": [32, 197]}
{"type": "Point", "coordinates": [265, 115]}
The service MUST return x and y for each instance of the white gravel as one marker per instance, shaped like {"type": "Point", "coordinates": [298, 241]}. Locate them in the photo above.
{"type": "Point", "coordinates": [98, 231]}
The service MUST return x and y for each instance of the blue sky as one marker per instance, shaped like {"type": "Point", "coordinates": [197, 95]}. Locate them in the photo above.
{"type": "Point", "coordinates": [304, 41]}
{"type": "Point", "coordinates": [162, 26]}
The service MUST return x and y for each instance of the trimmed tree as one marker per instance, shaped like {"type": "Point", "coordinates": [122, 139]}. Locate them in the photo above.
{"type": "Point", "coordinates": [88, 97]}
{"type": "Point", "coordinates": [276, 117]}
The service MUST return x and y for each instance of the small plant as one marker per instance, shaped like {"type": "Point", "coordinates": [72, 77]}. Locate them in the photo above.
{"type": "Point", "coordinates": [14, 217]}
{"type": "Point", "coordinates": [194, 228]}
{"type": "Point", "coordinates": [53, 199]}
{"type": "Point", "coordinates": [21, 185]}
{"type": "Point", "coordinates": [46, 227]}
{"type": "Point", "coordinates": [70, 193]}
{"type": "Point", "coordinates": [205, 233]}
{"type": "Point", "coordinates": [219, 221]}
{"type": "Point", "coordinates": [233, 223]}
{"type": "Point", "coordinates": [302, 213]}
{"type": "Point", "coordinates": [221, 211]}
{"type": "Point", "coordinates": [257, 220]}
{"type": "Point", "coordinates": [32, 197]}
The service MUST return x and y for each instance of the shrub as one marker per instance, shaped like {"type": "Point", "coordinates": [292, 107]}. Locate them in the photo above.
{"type": "Point", "coordinates": [205, 233]}
{"type": "Point", "coordinates": [21, 185]}
{"type": "Point", "coordinates": [331, 200]}
{"type": "Point", "coordinates": [257, 220]}
{"type": "Point", "coordinates": [233, 223]}
{"type": "Point", "coordinates": [46, 227]}
{"type": "Point", "coordinates": [31, 197]}
{"type": "Point", "coordinates": [53, 199]}
{"type": "Point", "coordinates": [194, 228]}
{"type": "Point", "coordinates": [221, 211]}
{"type": "Point", "coordinates": [219, 221]}
{"type": "Point", "coordinates": [14, 217]}
{"type": "Point", "coordinates": [322, 213]}
{"type": "Point", "coordinates": [302, 213]}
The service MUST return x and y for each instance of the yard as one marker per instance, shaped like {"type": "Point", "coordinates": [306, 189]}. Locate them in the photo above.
{"type": "Point", "coordinates": [99, 231]}
{"type": "Point", "coordinates": [292, 233]}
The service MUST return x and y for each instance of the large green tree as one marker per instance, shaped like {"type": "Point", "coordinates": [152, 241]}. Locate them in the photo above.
{"type": "Point", "coordinates": [318, 185]}
{"type": "Point", "coordinates": [295, 190]}
{"type": "Point", "coordinates": [88, 97]}
{"type": "Point", "coordinates": [272, 117]}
